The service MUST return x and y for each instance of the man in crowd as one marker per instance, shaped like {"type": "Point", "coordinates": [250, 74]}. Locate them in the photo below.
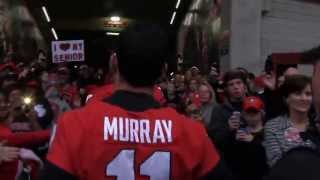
{"type": "Point", "coordinates": [299, 163]}
{"type": "Point", "coordinates": [225, 120]}
{"type": "Point", "coordinates": [312, 56]}
{"type": "Point", "coordinates": [316, 85]}
{"type": "Point", "coordinates": [128, 135]}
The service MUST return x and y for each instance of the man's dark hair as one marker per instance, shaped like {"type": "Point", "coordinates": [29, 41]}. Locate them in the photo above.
{"type": "Point", "coordinates": [13, 87]}
{"type": "Point", "coordinates": [282, 68]}
{"type": "Point", "coordinates": [299, 163]}
{"type": "Point", "coordinates": [3, 93]}
{"type": "Point", "coordinates": [268, 66]}
{"type": "Point", "coordinates": [244, 70]}
{"type": "Point", "coordinates": [311, 56]}
{"type": "Point", "coordinates": [141, 54]}
{"type": "Point", "coordinates": [234, 74]}
{"type": "Point", "coordinates": [251, 76]}
{"type": "Point", "coordinates": [294, 83]}
{"type": "Point", "coordinates": [41, 51]}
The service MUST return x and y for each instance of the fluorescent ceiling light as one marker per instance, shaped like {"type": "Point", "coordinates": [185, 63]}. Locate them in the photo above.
{"type": "Point", "coordinates": [173, 17]}
{"type": "Point", "coordinates": [45, 12]}
{"type": "Point", "coordinates": [178, 4]}
{"type": "Point", "coordinates": [112, 34]}
{"type": "Point", "coordinates": [54, 33]}
{"type": "Point", "coordinates": [115, 18]}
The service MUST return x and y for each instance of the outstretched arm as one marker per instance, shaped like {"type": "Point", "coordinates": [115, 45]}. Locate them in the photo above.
{"type": "Point", "coordinates": [316, 86]}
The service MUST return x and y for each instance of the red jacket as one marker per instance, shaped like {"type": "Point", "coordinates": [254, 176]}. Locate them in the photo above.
{"type": "Point", "coordinates": [155, 142]}
{"type": "Point", "coordinates": [8, 171]}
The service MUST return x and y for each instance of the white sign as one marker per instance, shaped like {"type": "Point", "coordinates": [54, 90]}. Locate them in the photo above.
{"type": "Point", "coordinates": [67, 51]}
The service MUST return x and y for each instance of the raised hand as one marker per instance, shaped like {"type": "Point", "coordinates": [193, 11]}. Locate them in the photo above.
{"type": "Point", "coordinates": [8, 154]}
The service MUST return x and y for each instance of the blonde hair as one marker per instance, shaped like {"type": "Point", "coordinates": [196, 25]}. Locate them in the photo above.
{"type": "Point", "coordinates": [212, 92]}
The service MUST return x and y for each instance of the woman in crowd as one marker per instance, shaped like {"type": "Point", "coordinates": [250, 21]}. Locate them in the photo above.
{"type": "Point", "coordinates": [193, 112]}
{"type": "Point", "coordinates": [191, 95]}
{"type": "Point", "coordinates": [19, 120]}
{"type": "Point", "coordinates": [180, 87]}
{"type": "Point", "coordinates": [44, 113]}
{"type": "Point", "coordinates": [294, 128]}
{"type": "Point", "coordinates": [207, 100]}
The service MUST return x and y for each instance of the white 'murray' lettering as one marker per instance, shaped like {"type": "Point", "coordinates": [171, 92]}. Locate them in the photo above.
{"type": "Point", "coordinates": [158, 133]}
{"type": "Point", "coordinates": [144, 131]}
{"type": "Point", "coordinates": [110, 129]}
{"type": "Point", "coordinates": [126, 129]}
{"type": "Point", "coordinates": [134, 128]}
{"type": "Point", "coordinates": [168, 128]}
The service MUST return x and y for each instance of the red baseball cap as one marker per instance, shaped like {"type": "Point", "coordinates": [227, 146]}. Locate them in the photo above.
{"type": "Point", "coordinates": [252, 103]}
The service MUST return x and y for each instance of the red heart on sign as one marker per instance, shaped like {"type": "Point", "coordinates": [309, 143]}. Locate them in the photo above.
{"type": "Point", "coordinates": [64, 46]}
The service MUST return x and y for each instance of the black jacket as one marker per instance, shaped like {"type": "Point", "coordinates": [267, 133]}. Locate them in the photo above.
{"type": "Point", "coordinates": [218, 128]}
{"type": "Point", "coordinates": [247, 160]}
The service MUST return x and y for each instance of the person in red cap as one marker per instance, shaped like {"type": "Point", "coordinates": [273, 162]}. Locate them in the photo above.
{"type": "Point", "coordinates": [253, 114]}
{"type": "Point", "coordinates": [248, 160]}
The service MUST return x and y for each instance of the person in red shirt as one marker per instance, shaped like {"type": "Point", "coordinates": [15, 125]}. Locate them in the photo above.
{"type": "Point", "coordinates": [128, 135]}
{"type": "Point", "coordinates": [8, 170]}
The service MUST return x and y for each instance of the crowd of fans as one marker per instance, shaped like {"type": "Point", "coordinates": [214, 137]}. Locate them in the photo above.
{"type": "Point", "coordinates": [254, 121]}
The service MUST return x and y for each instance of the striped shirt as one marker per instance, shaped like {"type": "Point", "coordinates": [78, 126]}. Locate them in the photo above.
{"type": "Point", "coordinates": [280, 138]}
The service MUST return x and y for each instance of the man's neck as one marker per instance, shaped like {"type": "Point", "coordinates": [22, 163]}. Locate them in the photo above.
{"type": "Point", "coordinates": [121, 85]}
{"type": "Point", "coordinates": [236, 103]}
{"type": "Point", "coordinates": [235, 100]}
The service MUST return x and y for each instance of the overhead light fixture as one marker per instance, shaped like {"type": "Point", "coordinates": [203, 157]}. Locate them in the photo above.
{"type": "Point", "coordinates": [115, 18]}
{"type": "Point", "coordinates": [112, 34]}
{"type": "Point", "coordinates": [45, 12]}
{"type": "Point", "coordinates": [173, 17]}
{"type": "Point", "coordinates": [54, 33]}
{"type": "Point", "coordinates": [178, 4]}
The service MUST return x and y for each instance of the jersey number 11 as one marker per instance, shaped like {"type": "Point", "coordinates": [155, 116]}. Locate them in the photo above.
{"type": "Point", "coordinates": [156, 166]}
